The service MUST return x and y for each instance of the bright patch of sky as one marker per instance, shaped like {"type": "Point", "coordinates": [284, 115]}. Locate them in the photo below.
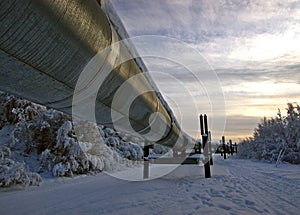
{"type": "Point", "coordinates": [253, 46]}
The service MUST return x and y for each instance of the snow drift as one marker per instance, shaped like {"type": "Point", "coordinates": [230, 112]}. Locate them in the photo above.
{"type": "Point", "coordinates": [36, 140]}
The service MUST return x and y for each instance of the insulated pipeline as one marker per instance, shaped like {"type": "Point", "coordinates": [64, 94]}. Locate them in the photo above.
{"type": "Point", "coordinates": [44, 47]}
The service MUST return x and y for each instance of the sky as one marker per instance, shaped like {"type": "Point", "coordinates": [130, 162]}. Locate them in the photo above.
{"type": "Point", "coordinates": [250, 47]}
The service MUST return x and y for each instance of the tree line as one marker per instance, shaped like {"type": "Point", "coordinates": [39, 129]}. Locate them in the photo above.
{"type": "Point", "coordinates": [277, 138]}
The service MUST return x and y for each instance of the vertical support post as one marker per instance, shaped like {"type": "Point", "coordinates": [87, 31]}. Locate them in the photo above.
{"type": "Point", "coordinates": [231, 147]}
{"type": "Point", "coordinates": [227, 148]}
{"type": "Point", "coordinates": [224, 147]}
{"type": "Point", "coordinates": [235, 146]}
{"type": "Point", "coordinates": [201, 125]}
{"type": "Point", "coordinates": [205, 125]}
{"type": "Point", "coordinates": [146, 161]}
{"type": "Point", "coordinates": [211, 162]}
{"type": "Point", "coordinates": [204, 133]}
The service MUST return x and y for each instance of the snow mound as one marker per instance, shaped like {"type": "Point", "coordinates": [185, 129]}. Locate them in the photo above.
{"type": "Point", "coordinates": [47, 141]}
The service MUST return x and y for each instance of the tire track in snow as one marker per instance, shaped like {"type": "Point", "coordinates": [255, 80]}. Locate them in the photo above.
{"type": "Point", "coordinates": [269, 189]}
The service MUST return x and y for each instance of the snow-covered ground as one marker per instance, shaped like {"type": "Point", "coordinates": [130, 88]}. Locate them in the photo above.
{"type": "Point", "coordinates": [237, 187]}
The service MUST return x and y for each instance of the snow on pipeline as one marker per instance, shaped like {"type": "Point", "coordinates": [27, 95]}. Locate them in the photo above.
{"type": "Point", "coordinates": [237, 187]}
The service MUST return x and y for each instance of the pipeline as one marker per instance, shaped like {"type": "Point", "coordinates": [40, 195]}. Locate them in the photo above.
{"type": "Point", "coordinates": [44, 47]}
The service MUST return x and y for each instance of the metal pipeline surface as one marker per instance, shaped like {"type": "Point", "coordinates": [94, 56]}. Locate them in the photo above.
{"type": "Point", "coordinates": [45, 45]}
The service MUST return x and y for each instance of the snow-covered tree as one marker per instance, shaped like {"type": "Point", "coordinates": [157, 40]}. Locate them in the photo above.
{"type": "Point", "coordinates": [275, 135]}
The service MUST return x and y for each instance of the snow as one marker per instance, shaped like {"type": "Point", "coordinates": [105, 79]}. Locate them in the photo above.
{"type": "Point", "coordinates": [237, 187]}
{"type": "Point", "coordinates": [44, 141]}
{"type": "Point", "coordinates": [13, 172]}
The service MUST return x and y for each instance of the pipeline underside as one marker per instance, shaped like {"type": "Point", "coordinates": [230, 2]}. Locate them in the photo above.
{"type": "Point", "coordinates": [47, 45]}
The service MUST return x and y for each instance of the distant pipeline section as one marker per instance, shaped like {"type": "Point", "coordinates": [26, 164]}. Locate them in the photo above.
{"type": "Point", "coordinates": [44, 47]}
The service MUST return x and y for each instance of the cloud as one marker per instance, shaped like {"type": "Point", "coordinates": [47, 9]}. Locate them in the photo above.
{"type": "Point", "coordinates": [253, 47]}
{"type": "Point", "coordinates": [244, 30]}
{"type": "Point", "coordinates": [240, 126]}
{"type": "Point", "coordinates": [276, 74]}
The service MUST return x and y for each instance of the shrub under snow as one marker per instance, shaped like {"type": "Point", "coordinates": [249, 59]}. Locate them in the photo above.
{"type": "Point", "coordinates": [63, 147]}
{"type": "Point", "coordinates": [13, 172]}
{"type": "Point", "coordinates": [71, 156]}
